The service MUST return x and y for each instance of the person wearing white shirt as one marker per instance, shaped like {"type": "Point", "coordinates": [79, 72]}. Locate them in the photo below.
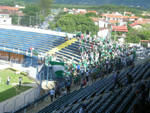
{"type": "Point", "coordinates": [63, 92]}
{"type": "Point", "coordinates": [52, 93]}
{"type": "Point", "coordinates": [87, 76]}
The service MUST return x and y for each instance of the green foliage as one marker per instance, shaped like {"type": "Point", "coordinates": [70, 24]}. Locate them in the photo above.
{"type": "Point", "coordinates": [103, 8]}
{"type": "Point", "coordinates": [71, 23]}
{"type": "Point", "coordinates": [99, 2]}
{"type": "Point", "coordinates": [45, 6]}
{"type": "Point", "coordinates": [135, 35]}
{"type": "Point", "coordinates": [14, 19]}
{"type": "Point", "coordinates": [91, 14]}
{"type": "Point", "coordinates": [31, 10]}
{"type": "Point", "coordinates": [12, 3]}
{"type": "Point", "coordinates": [128, 23]}
{"type": "Point", "coordinates": [57, 17]}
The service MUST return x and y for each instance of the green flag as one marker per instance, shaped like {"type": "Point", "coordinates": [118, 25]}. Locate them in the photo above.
{"type": "Point", "coordinates": [58, 68]}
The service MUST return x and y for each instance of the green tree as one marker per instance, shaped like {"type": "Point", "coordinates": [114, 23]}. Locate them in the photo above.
{"type": "Point", "coordinates": [91, 14]}
{"type": "Point", "coordinates": [14, 19]}
{"type": "Point", "coordinates": [45, 7]}
{"type": "Point", "coordinates": [71, 23]}
{"type": "Point", "coordinates": [31, 10]}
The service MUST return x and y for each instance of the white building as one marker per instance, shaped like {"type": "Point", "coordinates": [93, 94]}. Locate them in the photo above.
{"type": "Point", "coordinates": [102, 23]}
{"type": "Point", "coordinates": [113, 17]}
{"type": "Point", "coordinates": [5, 19]}
{"type": "Point", "coordinates": [104, 33]}
{"type": "Point", "coordinates": [20, 7]}
{"type": "Point", "coordinates": [78, 10]}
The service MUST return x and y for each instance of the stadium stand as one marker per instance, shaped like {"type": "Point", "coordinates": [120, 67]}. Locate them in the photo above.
{"type": "Point", "coordinates": [23, 40]}
{"type": "Point", "coordinates": [99, 98]}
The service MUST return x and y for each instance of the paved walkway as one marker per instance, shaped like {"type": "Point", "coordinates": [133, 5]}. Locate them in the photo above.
{"type": "Point", "coordinates": [21, 99]}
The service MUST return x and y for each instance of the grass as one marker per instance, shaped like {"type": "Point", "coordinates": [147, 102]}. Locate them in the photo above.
{"type": "Point", "coordinates": [13, 77]}
{"type": "Point", "coordinates": [8, 91]}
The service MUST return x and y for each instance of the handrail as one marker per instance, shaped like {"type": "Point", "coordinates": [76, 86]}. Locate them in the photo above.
{"type": "Point", "coordinates": [33, 102]}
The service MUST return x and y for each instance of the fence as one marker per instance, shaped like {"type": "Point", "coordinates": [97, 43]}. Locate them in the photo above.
{"type": "Point", "coordinates": [34, 103]}
{"type": "Point", "coordinates": [20, 101]}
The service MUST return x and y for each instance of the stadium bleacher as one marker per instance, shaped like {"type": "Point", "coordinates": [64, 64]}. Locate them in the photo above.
{"type": "Point", "coordinates": [98, 96]}
{"type": "Point", "coordinates": [23, 40]}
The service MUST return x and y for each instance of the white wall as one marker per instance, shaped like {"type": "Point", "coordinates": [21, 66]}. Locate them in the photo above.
{"type": "Point", "coordinates": [32, 72]}
{"type": "Point", "coordinates": [4, 16]}
{"type": "Point", "coordinates": [102, 24]}
{"type": "Point", "coordinates": [70, 12]}
{"type": "Point", "coordinates": [131, 19]}
{"type": "Point", "coordinates": [5, 21]}
{"type": "Point", "coordinates": [121, 39]}
{"type": "Point", "coordinates": [81, 10]}
{"type": "Point", "coordinates": [122, 23]}
{"type": "Point", "coordinates": [119, 19]}
{"type": "Point", "coordinates": [16, 66]}
{"type": "Point", "coordinates": [103, 33]}
{"type": "Point", "coordinates": [137, 27]}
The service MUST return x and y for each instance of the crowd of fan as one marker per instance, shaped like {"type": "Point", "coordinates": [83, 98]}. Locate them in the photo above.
{"type": "Point", "coordinates": [101, 58]}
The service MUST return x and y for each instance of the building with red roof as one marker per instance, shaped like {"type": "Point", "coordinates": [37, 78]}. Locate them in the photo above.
{"type": "Point", "coordinates": [133, 24]}
{"type": "Point", "coordinates": [8, 8]}
{"type": "Point", "coordinates": [92, 12]}
{"type": "Point", "coordinates": [119, 28]}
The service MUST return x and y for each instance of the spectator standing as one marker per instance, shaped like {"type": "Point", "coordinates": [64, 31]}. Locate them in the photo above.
{"type": "Point", "coordinates": [8, 80]}
{"type": "Point", "coordinates": [84, 83]}
{"type": "Point", "coordinates": [52, 93]}
{"type": "Point", "coordinates": [116, 80]}
{"type": "Point", "coordinates": [78, 68]}
{"type": "Point", "coordinates": [87, 75]}
{"type": "Point", "coordinates": [68, 86]}
{"type": "Point", "coordinates": [56, 90]}
{"type": "Point", "coordinates": [20, 78]}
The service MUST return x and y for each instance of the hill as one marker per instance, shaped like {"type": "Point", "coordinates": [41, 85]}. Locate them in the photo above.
{"type": "Point", "coordinates": [131, 3]}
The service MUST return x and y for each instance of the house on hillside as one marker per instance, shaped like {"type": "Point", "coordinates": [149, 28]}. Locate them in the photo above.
{"type": "Point", "coordinates": [20, 7]}
{"type": "Point", "coordinates": [142, 21]}
{"type": "Point", "coordinates": [65, 9]}
{"type": "Point", "coordinates": [114, 22]}
{"type": "Point", "coordinates": [92, 12]}
{"type": "Point", "coordinates": [113, 17]}
{"type": "Point", "coordinates": [5, 19]}
{"type": "Point", "coordinates": [96, 20]}
{"type": "Point", "coordinates": [13, 13]}
{"type": "Point", "coordinates": [102, 23]}
{"type": "Point", "coordinates": [133, 18]}
{"type": "Point", "coordinates": [81, 10]}
{"type": "Point", "coordinates": [135, 26]}
{"type": "Point", "coordinates": [127, 13]}
{"type": "Point", "coordinates": [8, 8]}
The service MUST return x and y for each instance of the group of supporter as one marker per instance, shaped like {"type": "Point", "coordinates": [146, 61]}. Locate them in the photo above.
{"type": "Point", "coordinates": [99, 57]}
